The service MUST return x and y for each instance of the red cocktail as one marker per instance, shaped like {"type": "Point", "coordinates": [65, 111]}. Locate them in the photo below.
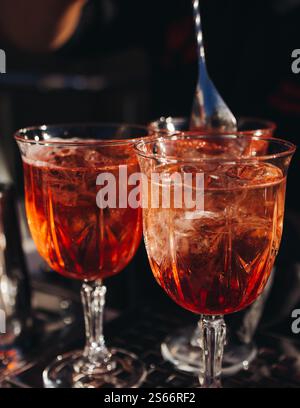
{"type": "Point", "coordinates": [217, 261]}
{"type": "Point", "coordinates": [76, 237]}
{"type": "Point", "coordinates": [213, 244]}
{"type": "Point", "coordinates": [182, 347]}
{"type": "Point", "coordinates": [84, 227]}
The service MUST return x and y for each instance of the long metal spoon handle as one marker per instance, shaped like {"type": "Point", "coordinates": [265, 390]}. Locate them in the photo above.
{"type": "Point", "coordinates": [209, 109]}
{"type": "Point", "coordinates": [198, 26]}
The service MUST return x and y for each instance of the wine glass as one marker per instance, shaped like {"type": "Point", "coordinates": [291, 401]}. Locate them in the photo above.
{"type": "Point", "coordinates": [84, 232]}
{"type": "Point", "coordinates": [251, 125]}
{"type": "Point", "coordinates": [181, 348]}
{"type": "Point", "coordinates": [213, 254]}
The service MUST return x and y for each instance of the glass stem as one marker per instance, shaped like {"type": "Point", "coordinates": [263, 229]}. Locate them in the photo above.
{"type": "Point", "coordinates": [95, 354]}
{"type": "Point", "coordinates": [213, 330]}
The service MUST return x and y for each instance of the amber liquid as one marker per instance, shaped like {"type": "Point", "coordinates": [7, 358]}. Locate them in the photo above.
{"type": "Point", "coordinates": [218, 261]}
{"type": "Point", "coordinates": [76, 237]}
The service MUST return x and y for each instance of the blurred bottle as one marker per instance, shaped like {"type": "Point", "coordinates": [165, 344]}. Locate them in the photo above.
{"type": "Point", "coordinates": [15, 299]}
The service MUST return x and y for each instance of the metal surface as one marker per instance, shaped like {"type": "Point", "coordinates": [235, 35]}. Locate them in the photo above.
{"type": "Point", "coordinates": [277, 363]}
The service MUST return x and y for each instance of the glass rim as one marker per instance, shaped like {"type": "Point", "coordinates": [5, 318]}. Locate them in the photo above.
{"type": "Point", "coordinates": [291, 148]}
{"type": "Point", "coordinates": [268, 124]}
{"type": "Point", "coordinates": [20, 134]}
{"type": "Point", "coordinates": [265, 125]}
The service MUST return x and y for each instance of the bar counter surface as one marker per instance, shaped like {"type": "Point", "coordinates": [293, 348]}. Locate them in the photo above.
{"type": "Point", "coordinates": [277, 364]}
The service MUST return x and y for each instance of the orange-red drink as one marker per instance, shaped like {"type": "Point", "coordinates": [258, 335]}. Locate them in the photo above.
{"type": "Point", "coordinates": [76, 237]}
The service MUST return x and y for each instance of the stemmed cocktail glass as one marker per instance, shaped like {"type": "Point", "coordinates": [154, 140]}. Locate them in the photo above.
{"type": "Point", "coordinates": [81, 222]}
{"type": "Point", "coordinates": [213, 216]}
{"type": "Point", "coordinates": [181, 348]}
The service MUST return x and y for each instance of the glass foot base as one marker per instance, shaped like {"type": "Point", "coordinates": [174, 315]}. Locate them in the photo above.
{"type": "Point", "coordinates": [127, 372]}
{"type": "Point", "coordinates": [180, 351]}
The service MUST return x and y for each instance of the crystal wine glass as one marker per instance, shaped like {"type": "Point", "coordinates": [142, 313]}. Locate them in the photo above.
{"type": "Point", "coordinates": [82, 236]}
{"type": "Point", "coordinates": [181, 348]}
{"type": "Point", "coordinates": [213, 251]}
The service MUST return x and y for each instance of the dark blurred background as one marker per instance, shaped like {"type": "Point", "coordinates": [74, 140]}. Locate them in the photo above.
{"type": "Point", "coordinates": [133, 61]}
